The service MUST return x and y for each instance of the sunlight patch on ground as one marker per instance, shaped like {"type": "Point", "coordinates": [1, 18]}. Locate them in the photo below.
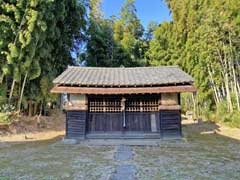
{"type": "Point", "coordinates": [38, 136]}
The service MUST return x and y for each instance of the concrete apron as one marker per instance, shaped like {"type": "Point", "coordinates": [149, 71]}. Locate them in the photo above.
{"type": "Point", "coordinates": [117, 142]}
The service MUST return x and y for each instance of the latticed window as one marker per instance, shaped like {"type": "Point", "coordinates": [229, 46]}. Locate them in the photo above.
{"type": "Point", "coordinates": [129, 104]}
{"type": "Point", "coordinates": [105, 104]}
{"type": "Point", "coordinates": [142, 104]}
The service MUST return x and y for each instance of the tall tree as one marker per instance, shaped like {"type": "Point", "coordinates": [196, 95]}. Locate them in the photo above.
{"type": "Point", "coordinates": [44, 33]}
{"type": "Point", "coordinates": [99, 37]}
{"type": "Point", "coordinates": [203, 39]}
{"type": "Point", "coordinates": [102, 49]}
{"type": "Point", "coordinates": [128, 33]}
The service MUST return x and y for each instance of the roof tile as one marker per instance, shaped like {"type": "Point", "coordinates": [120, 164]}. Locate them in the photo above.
{"type": "Point", "coordinates": [138, 76]}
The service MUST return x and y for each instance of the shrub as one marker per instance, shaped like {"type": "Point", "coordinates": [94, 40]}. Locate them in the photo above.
{"type": "Point", "coordinates": [221, 111]}
{"type": "Point", "coordinates": [6, 111]}
{"type": "Point", "coordinates": [233, 119]}
{"type": "Point", "coordinates": [222, 115]}
{"type": "Point", "coordinates": [4, 118]}
{"type": "Point", "coordinates": [7, 108]}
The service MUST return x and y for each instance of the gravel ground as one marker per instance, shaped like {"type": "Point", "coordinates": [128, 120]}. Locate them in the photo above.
{"type": "Point", "coordinates": [202, 154]}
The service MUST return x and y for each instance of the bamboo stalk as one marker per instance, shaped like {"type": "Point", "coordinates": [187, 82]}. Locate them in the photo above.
{"type": "Point", "coordinates": [234, 75]}
{"type": "Point", "coordinates": [11, 91]}
{"type": "Point", "coordinates": [229, 100]}
{"type": "Point", "coordinates": [213, 86]}
{"type": "Point", "coordinates": [22, 90]}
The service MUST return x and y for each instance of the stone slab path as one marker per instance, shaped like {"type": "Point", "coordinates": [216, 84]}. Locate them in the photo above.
{"type": "Point", "coordinates": [125, 170]}
{"type": "Point", "coordinates": [123, 153]}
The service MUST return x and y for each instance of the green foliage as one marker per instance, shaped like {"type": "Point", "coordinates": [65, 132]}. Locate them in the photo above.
{"type": "Point", "coordinates": [4, 118]}
{"type": "Point", "coordinates": [3, 94]}
{"type": "Point", "coordinates": [35, 42]}
{"type": "Point", "coordinates": [234, 119]}
{"type": "Point", "coordinates": [38, 36]}
{"type": "Point", "coordinates": [222, 115]}
{"type": "Point", "coordinates": [203, 39]}
{"type": "Point", "coordinates": [186, 102]}
{"type": "Point", "coordinates": [6, 111]}
{"type": "Point", "coordinates": [7, 108]}
{"type": "Point", "coordinates": [114, 42]}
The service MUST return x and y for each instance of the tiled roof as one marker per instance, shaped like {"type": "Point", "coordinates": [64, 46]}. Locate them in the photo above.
{"type": "Point", "coordinates": [122, 77]}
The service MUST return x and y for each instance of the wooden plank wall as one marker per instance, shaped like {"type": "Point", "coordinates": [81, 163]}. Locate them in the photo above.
{"type": "Point", "coordinates": [141, 121]}
{"type": "Point", "coordinates": [170, 123]}
{"type": "Point", "coordinates": [113, 122]}
{"type": "Point", "coordinates": [75, 124]}
{"type": "Point", "coordinates": [166, 122]}
{"type": "Point", "coordinates": [104, 122]}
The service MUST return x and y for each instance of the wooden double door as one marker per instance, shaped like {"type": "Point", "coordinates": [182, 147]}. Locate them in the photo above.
{"type": "Point", "coordinates": [165, 122]}
{"type": "Point", "coordinates": [123, 114]}
{"type": "Point", "coordinates": [123, 122]}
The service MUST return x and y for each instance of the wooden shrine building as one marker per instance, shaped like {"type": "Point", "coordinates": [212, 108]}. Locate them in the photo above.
{"type": "Point", "coordinates": [140, 102]}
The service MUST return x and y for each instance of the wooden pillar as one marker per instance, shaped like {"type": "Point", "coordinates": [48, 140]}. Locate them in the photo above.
{"type": "Point", "coordinates": [170, 115]}
{"type": "Point", "coordinates": [76, 116]}
{"type": "Point", "coordinates": [179, 99]}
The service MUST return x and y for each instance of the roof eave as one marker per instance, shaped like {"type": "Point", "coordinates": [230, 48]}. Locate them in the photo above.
{"type": "Point", "coordinates": [130, 90]}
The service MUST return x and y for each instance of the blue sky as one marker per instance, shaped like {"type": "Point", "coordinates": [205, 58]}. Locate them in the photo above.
{"type": "Point", "coordinates": [147, 10]}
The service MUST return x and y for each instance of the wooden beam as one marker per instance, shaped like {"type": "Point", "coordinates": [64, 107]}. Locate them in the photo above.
{"type": "Point", "coordinates": [133, 90]}
{"type": "Point", "coordinates": [169, 107]}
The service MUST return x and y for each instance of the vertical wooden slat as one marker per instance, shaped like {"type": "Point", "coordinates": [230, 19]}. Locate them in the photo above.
{"type": "Point", "coordinates": [170, 121]}
{"type": "Point", "coordinates": [76, 124]}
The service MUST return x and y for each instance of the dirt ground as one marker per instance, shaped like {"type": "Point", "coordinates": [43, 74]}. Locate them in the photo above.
{"type": "Point", "coordinates": [34, 128]}
{"type": "Point", "coordinates": [207, 151]}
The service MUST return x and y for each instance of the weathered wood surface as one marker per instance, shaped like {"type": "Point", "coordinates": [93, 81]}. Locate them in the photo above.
{"type": "Point", "coordinates": [129, 90]}
{"type": "Point", "coordinates": [142, 114]}
{"type": "Point", "coordinates": [140, 121]}
{"type": "Point", "coordinates": [169, 98]}
{"type": "Point", "coordinates": [104, 122]}
{"type": "Point", "coordinates": [170, 121]}
{"type": "Point", "coordinates": [113, 122]}
{"type": "Point", "coordinates": [169, 107]}
{"type": "Point", "coordinates": [75, 124]}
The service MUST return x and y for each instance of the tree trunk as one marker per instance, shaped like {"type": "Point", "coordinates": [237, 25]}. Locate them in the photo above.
{"type": "Point", "coordinates": [35, 106]}
{"type": "Point", "coordinates": [236, 88]}
{"type": "Point", "coordinates": [1, 78]}
{"type": "Point", "coordinates": [11, 91]}
{"type": "Point", "coordinates": [15, 41]}
{"type": "Point", "coordinates": [223, 90]}
{"type": "Point", "coordinates": [229, 100]}
{"type": "Point", "coordinates": [195, 109]}
{"type": "Point", "coordinates": [22, 90]}
{"type": "Point", "coordinates": [213, 86]}
{"type": "Point", "coordinates": [228, 92]}
{"type": "Point", "coordinates": [30, 108]}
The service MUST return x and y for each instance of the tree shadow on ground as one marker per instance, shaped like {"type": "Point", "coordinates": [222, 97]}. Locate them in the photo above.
{"type": "Point", "coordinates": [210, 132]}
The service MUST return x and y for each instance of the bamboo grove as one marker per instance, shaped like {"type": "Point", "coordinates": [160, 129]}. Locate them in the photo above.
{"type": "Point", "coordinates": [204, 39]}
{"type": "Point", "coordinates": [36, 37]}
{"type": "Point", "coordinates": [39, 38]}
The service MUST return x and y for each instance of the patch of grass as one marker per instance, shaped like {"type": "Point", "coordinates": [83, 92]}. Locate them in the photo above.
{"type": "Point", "coordinates": [5, 178]}
{"type": "Point", "coordinates": [201, 156]}
{"type": "Point", "coordinates": [52, 160]}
